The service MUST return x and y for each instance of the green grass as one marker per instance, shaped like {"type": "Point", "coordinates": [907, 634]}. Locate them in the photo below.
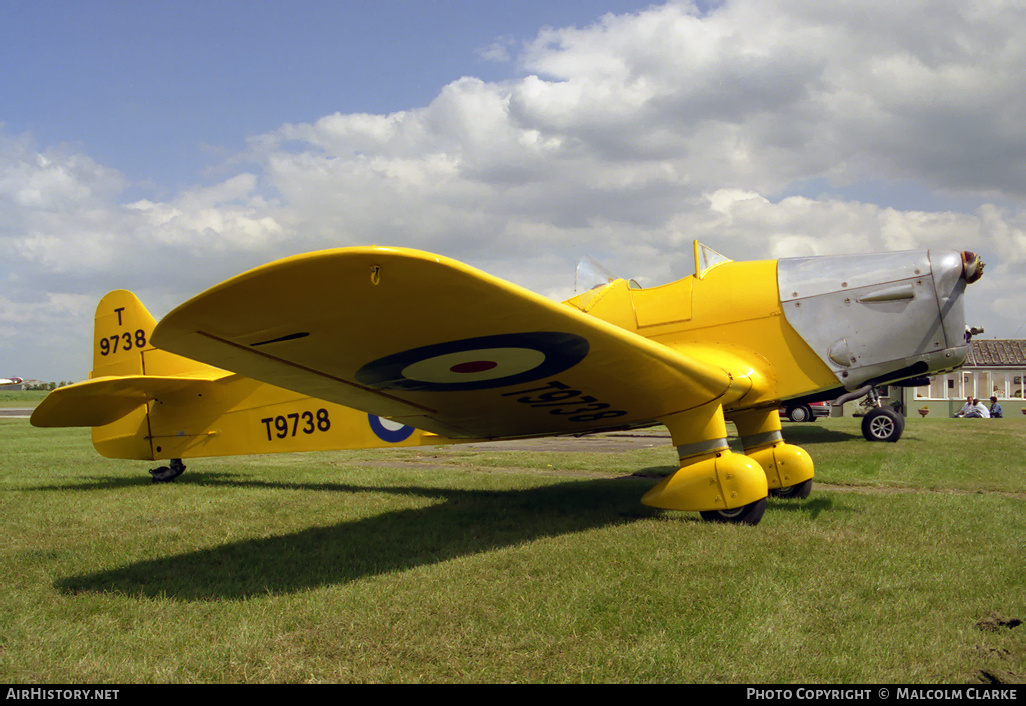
{"type": "Point", "coordinates": [21, 398]}
{"type": "Point", "coordinates": [470, 565]}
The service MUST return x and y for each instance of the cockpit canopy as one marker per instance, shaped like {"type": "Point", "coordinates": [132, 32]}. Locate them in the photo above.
{"type": "Point", "coordinates": [706, 258]}
{"type": "Point", "coordinates": [592, 275]}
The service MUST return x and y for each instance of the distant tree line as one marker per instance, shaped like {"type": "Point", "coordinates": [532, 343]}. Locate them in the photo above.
{"type": "Point", "coordinates": [47, 385]}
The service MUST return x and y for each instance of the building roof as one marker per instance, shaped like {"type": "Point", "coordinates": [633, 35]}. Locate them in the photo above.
{"type": "Point", "coordinates": [996, 352]}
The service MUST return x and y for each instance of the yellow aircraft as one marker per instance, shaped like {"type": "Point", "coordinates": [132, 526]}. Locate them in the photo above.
{"type": "Point", "coordinates": [373, 346]}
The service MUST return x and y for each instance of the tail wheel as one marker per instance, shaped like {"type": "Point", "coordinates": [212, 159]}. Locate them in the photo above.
{"type": "Point", "coordinates": [167, 474]}
{"type": "Point", "coordinates": [749, 514]}
{"type": "Point", "coordinates": [882, 424]}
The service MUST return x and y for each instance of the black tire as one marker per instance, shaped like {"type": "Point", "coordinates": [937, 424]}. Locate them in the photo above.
{"type": "Point", "coordinates": [882, 424]}
{"type": "Point", "coordinates": [167, 474]}
{"type": "Point", "coordinates": [749, 514]}
{"type": "Point", "coordinates": [800, 413]}
{"type": "Point", "coordinates": [799, 491]}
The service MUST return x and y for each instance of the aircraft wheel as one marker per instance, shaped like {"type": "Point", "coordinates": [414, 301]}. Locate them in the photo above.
{"type": "Point", "coordinates": [800, 413]}
{"type": "Point", "coordinates": [749, 514]}
{"type": "Point", "coordinates": [167, 474]}
{"type": "Point", "coordinates": [799, 491]}
{"type": "Point", "coordinates": [882, 424]}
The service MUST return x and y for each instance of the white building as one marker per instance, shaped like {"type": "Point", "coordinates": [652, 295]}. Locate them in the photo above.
{"type": "Point", "coordinates": [995, 367]}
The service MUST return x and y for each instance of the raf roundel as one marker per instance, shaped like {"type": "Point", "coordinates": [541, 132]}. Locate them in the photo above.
{"type": "Point", "coordinates": [388, 430]}
{"type": "Point", "coordinates": [476, 363]}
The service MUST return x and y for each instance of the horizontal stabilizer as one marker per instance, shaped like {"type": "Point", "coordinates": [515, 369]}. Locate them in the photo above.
{"type": "Point", "coordinates": [105, 400]}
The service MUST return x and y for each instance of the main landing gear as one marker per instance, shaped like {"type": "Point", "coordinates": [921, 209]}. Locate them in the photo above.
{"type": "Point", "coordinates": [799, 491]}
{"type": "Point", "coordinates": [749, 514]}
{"type": "Point", "coordinates": [167, 474]}
{"type": "Point", "coordinates": [724, 486]}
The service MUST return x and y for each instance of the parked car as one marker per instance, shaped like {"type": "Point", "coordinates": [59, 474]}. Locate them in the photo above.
{"type": "Point", "coordinates": [805, 411]}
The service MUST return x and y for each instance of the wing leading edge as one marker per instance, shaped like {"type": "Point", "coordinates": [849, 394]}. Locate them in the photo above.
{"type": "Point", "coordinates": [434, 344]}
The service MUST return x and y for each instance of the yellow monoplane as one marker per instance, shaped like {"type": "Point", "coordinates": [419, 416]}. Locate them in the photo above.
{"type": "Point", "coordinates": [373, 346]}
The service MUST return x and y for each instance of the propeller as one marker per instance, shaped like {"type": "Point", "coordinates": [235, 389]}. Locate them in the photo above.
{"type": "Point", "coordinates": [972, 266]}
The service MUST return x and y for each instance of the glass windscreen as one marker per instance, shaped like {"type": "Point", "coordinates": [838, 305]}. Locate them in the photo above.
{"type": "Point", "coordinates": [590, 275]}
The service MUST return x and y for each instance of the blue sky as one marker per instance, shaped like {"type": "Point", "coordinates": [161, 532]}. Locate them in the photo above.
{"type": "Point", "coordinates": [165, 146]}
{"type": "Point", "coordinates": [163, 90]}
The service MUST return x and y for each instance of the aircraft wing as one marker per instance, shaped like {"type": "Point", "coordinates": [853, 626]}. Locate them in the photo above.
{"type": "Point", "coordinates": [435, 344]}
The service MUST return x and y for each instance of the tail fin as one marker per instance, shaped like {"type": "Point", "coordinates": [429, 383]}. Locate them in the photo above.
{"type": "Point", "coordinates": [121, 336]}
{"type": "Point", "coordinates": [127, 374]}
{"type": "Point", "coordinates": [122, 341]}
{"type": "Point", "coordinates": [121, 333]}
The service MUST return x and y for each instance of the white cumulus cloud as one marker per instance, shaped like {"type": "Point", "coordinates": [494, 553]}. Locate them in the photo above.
{"type": "Point", "coordinates": [757, 126]}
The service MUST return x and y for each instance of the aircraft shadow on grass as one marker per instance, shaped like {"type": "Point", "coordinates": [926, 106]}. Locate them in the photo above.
{"type": "Point", "coordinates": [812, 434]}
{"type": "Point", "coordinates": [467, 522]}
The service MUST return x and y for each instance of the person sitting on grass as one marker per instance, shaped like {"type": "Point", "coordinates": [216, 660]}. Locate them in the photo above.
{"type": "Point", "coordinates": [995, 409]}
{"type": "Point", "coordinates": [979, 411]}
{"type": "Point", "coordinates": [972, 409]}
{"type": "Point", "coordinates": [966, 408]}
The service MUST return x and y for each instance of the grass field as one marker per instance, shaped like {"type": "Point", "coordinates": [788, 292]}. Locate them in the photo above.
{"type": "Point", "coordinates": [491, 565]}
{"type": "Point", "coordinates": [26, 398]}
